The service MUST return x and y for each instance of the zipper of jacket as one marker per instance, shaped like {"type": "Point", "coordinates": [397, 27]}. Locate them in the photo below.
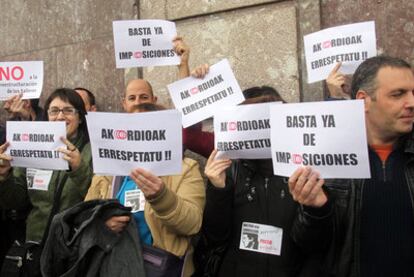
{"type": "Point", "coordinates": [384, 171]}
{"type": "Point", "coordinates": [266, 184]}
{"type": "Point", "coordinates": [357, 248]}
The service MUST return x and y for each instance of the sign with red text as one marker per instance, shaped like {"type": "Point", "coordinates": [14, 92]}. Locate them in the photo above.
{"type": "Point", "coordinates": [261, 238]}
{"type": "Point", "coordinates": [24, 78]}
{"type": "Point", "coordinates": [243, 132]}
{"type": "Point", "coordinates": [328, 136]}
{"type": "Point", "coordinates": [350, 44]}
{"type": "Point", "coordinates": [34, 144]}
{"type": "Point", "coordinates": [198, 99]}
{"type": "Point", "coordinates": [121, 142]}
{"type": "Point", "coordinates": [141, 43]}
{"type": "Point", "coordinates": [38, 179]}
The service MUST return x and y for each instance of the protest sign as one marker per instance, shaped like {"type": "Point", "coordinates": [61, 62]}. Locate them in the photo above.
{"type": "Point", "coordinates": [38, 179]}
{"type": "Point", "coordinates": [261, 238]}
{"type": "Point", "coordinates": [144, 43]}
{"type": "Point", "coordinates": [327, 136]}
{"type": "Point", "coordinates": [24, 78]}
{"type": "Point", "coordinates": [34, 144]}
{"type": "Point", "coordinates": [198, 99]}
{"type": "Point", "coordinates": [350, 44]}
{"type": "Point", "coordinates": [122, 142]}
{"type": "Point", "coordinates": [243, 132]}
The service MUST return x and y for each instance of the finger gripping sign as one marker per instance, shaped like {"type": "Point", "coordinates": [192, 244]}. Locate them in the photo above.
{"type": "Point", "coordinates": [198, 99]}
{"type": "Point", "coordinates": [35, 144]}
{"type": "Point", "coordinates": [122, 142]}
{"type": "Point", "coordinates": [243, 132]}
{"type": "Point", "coordinates": [350, 44]}
{"type": "Point", "coordinates": [24, 78]}
{"type": "Point", "coordinates": [327, 136]}
{"type": "Point", "coordinates": [140, 43]}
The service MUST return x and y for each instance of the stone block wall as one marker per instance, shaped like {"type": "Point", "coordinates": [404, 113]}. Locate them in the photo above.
{"type": "Point", "coordinates": [261, 38]}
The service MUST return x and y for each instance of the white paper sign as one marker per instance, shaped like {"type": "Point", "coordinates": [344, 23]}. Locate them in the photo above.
{"type": "Point", "coordinates": [243, 132]}
{"type": "Point", "coordinates": [122, 142]}
{"type": "Point", "coordinates": [144, 43]}
{"type": "Point", "coordinates": [198, 99]}
{"type": "Point", "coordinates": [327, 136]}
{"type": "Point", "coordinates": [35, 143]}
{"type": "Point", "coordinates": [135, 199]}
{"type": "Point", "coordinates": [21, 78]}
{"type": "Point", "coordinates": [261, 238]}
{"type": "Point", "coordinates": [38, 179]}
{"type": "Point", "coordinates": [350, 44]}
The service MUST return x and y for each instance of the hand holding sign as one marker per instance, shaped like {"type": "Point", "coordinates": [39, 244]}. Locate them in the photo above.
{"type": "Point", "coordinates": [4, 160]}
{"type": "Point", "coordinates": [215, 170]}
{"type": "Point", "coordinates": [15, 105]}
{"type": "Point", "coordinates": [336, 83]}
{"type": "Point", "coordinates": [200, 71]}
{"type": "Point", "coordinates": [306, 188]}
{"type": "Point", "coordinates": [181, 49]}
{"type": "Point", "coordinates": [72, 154]}
{"type": "Point", "coordinates": [149, 184]}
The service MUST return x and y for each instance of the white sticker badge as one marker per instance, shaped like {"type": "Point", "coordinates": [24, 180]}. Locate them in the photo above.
{"type": "Point", "coordinates": [38, 179]}
{"type": "Point", "coordinates": [261, 238]}
{"type": "Point", "coordinates": [135, 199]}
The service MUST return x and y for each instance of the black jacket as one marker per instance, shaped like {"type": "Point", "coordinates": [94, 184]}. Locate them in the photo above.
{"type": "Point", "coordinates": [79, 243]}
{"type": "Point", "coordinates": [2, 134]}
{"type": "Point", "coordinates": [255, 196]}
{"type": "Point", "coordinates": [335, 228]}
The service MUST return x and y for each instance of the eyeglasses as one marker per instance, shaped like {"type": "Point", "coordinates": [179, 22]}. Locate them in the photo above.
{"type": "Point", "coordinates": [68, 111]}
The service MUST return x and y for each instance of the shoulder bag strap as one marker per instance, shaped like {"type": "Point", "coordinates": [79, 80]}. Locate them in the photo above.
{"type": "Point", "coordinates": [56, 202]}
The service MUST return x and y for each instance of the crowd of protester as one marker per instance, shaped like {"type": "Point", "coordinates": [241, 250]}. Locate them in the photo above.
{"type": "Point", "coordinates": [333, 227]}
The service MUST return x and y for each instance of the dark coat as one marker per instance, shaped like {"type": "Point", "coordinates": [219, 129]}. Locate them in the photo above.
{"type": "Point", "coordinates": [2, 134]}
{"type": "Point", "coordinates": [79, 243]}
{"type": "Point", "coordinates": [335, 227]}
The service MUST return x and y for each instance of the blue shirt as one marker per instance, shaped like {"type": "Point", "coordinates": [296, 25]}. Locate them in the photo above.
{"type": "Point", "coordinates": [143, 229]}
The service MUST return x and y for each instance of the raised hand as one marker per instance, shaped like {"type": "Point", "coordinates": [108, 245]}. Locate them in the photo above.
{"type": "Point", "coordinates": [215, 170]}
{"type": "Point", "coordinates": [306, 187]}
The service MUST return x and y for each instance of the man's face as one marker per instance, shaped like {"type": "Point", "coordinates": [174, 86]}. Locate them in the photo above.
{"type": "Point", "coordinates": [84, 95]}
{"type": "Point", "coordinates": [390, 112]}
{"type": "Point", "coordinates": [137, 92]}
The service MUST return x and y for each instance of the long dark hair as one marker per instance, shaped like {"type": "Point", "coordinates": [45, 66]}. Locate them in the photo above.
{"type": "Point", "coordinates": [72, 97]}
{"type": "Point", "coordinates": [263, 91]}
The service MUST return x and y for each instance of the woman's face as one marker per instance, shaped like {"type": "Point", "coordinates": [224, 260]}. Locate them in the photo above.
{"type": "Point", "coordinates": [60, 110]}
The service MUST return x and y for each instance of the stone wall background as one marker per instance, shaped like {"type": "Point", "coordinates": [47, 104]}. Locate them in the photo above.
{"type": "Point", "coordinates": [262, 39]}
{"type": "Point", "coordinates": [73, 38]}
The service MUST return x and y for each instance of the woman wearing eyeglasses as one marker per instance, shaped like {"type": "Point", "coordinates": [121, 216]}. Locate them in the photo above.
{"type": "Point", "coordinates": [62, 105]}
